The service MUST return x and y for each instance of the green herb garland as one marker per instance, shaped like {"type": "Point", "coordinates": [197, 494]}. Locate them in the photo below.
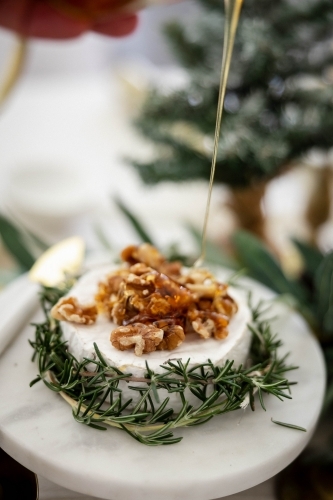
{"type": "Point", "coordinates": [97, 400]}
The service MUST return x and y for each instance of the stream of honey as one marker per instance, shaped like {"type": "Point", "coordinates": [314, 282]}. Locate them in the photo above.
{"type": "Point", "coordinates": [232, 13]}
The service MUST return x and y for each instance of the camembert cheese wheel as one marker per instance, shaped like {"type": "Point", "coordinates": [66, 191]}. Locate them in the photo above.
{"type": "Point", "coordinates": [81, 338]}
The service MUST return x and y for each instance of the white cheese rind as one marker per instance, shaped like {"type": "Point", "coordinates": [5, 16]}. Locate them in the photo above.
{"type": "Point", "coordinates": [81, 338]}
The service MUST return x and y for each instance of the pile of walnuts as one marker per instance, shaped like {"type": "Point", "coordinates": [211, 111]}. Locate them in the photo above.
{"type": "Point", "coordinates": [156, 303]}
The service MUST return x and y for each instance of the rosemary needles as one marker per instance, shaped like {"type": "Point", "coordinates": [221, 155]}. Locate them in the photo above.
{"type": "Point", "coordinates": [97, 399]}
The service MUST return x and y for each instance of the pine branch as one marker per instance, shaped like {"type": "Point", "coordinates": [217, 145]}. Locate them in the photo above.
{"type": "Point", "coordinates": [271, 118]}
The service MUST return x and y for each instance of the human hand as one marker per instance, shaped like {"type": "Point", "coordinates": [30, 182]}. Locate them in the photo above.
{"type": "Point", "coordinates": [60, 19]}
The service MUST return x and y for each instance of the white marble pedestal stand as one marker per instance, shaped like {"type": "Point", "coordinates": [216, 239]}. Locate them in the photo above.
{"type": "Point", "coordinates": [51, 491]}
{"type": "Point", "coordinates": [229, 454]}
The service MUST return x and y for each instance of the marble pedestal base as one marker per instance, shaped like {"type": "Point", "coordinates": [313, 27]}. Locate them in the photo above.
{"type": "Point", "coordinates": [229, 454]}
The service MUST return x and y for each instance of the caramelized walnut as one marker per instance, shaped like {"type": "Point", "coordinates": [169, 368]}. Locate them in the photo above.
{"type": "Point", "coordinates": [198, 276]}
{"type": "Point", "coordinates": [108, 291]}
{"type": "Point", "coordinates": [204, 328]}
{"type": "Point", "coordinates": [171, 269]}
{"type": "Point", "coordinates": [213, 307]}
{"type": "Point", "coordinates": [143, 338]}
{"type": "Point", "coordinates": [203, 284]}
{"type": "Point", "coordinates": [148, 255]}
{"type": "Point", "coordinates": [208, 323]}
{"type": "Point", "coordinates": [173, 334]}
{"type": "Point", "coordinates": [152, 295]}
{"type": "Point", "coordinates": [202, 290]}
{"type": "Point", "coordinates": [194, 301]}
{"type": "Point", "coordinates": [68, 309]}
{"type": "Point", "coordinates": [139, 268]}
{"type": "Point", "coordinates": [225, 305]}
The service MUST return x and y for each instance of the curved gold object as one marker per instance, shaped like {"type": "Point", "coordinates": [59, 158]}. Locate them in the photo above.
{"type": "Point", "coordinates": [15, 68]}
{"type": "Point", "coordinates": [62, 259]}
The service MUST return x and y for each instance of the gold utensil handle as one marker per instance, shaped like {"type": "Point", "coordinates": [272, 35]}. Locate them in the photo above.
{"type": "Point", "coordinates": [14, 70]}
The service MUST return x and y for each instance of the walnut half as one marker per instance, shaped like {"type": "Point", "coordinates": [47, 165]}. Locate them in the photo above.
{"type": "Point", "coordinates": [144, 338]}
{"type": "Point", "coordinates": [148, 255]}
{"type": "Point", "coordinates": [68, 309]}
{"type": "Point", "coordinates": [173, 334]}
{"type": "Point", "coordinates": [208, 323]}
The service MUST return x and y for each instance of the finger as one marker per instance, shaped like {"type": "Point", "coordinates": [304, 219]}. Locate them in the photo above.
{"type": "Point", "coordinates": [120, 25]}
{"type": "Point", "coordinates": [13, 13]}
{"type": "Point", "coordinates": [38, 19]}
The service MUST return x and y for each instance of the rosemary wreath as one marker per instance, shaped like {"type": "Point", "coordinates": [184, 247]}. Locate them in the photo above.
{"type": "Point", "coordinates": [97, 400]}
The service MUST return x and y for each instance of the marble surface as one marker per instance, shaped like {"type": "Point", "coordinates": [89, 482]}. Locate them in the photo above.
{"type": "Point", "coordinates": [10, 302]}
{"type": "Point", "coordinates": [228, 454]}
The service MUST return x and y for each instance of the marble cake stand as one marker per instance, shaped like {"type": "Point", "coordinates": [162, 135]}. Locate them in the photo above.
{"type": "Point", "coordinates": [227, 455]}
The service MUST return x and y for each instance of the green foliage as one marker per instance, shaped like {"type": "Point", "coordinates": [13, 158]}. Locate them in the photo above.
{"type": "Point", "coordinates": [315, 301]}
{"type": "Point", "coordinates": [291, 426]}
{"type": "Point", "coordinates": [102, 238]}
{"type": "Point", "coordinates": [195, 53]}
{"type": "Point", "coordinates": [13, 240]}
{"type": "Point", "coordinates": [311, 256]}
{"type": "Point", "coordinates": [328, 353]}
{"type": "Point", "coordinates": [324, 294]}
{"type": "Point", "coordinates": [312, 291]}
{"type": "Point", "coordinates": [262, 266]}
{"type": "Point", "coordinates": [23, 245]}
{"type": "Point", "coordinates": [278, 104]}
{"type": "Point", "coordinates": [134, 221]}
{"type": "Point", "coordinates": [214, 253]}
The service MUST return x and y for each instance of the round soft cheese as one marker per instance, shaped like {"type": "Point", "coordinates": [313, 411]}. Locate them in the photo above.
{"type": "Point", "coordinates": [81, 338]}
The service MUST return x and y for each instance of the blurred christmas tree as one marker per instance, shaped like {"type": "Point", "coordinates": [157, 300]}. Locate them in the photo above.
{"type": "Point", "coordinates": [278, 106]}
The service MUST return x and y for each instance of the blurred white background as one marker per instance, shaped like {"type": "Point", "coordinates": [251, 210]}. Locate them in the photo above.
{"type": "Point", "coordinates": [65, 130]}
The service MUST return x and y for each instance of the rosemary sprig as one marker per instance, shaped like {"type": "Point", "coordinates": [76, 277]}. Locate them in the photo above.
{"type": "Point", "coordinates": [290, 426]}
{"type": "Point", "coordinates": [97, 399]}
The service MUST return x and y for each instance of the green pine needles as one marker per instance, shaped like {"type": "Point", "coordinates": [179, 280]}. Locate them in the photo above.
{"type": "Point", "coordinates": [279, 99]}
{"type": "Point", "coordinates": [97, 400]}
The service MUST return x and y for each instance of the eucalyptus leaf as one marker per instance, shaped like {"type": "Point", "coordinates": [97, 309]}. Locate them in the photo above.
{"type": "Point", "coordinates": [6, 276]}
{"type": "Point", "coordinates": [34, 243]}
{"type": "Point", "coordinates": [135, 222]}
{"type": "Point", "coordinates": [102, 238]}
{"type": "Point", "coordinates": [173, 252]}
{"type": "Point", "coordinates": [328, 401]}
{"type": "Point", "coordinates": [324, 293]}
{"type": "Point", "coordinates": [14, 241]}
{"type": "Point", "coordinates": [36, 240]}
{"type": "Point", "coordinates": [329, 360]}
{"type": "Point", "coordinates": [311, 256]}
{"type": "Point", "coordinates": [262, 266]}
{"type": "Point", "coordinates": [214, 254]}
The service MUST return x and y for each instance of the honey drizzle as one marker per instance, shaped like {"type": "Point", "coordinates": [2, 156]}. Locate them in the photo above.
{"type": "Point", "coordinates": [232, 13]}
